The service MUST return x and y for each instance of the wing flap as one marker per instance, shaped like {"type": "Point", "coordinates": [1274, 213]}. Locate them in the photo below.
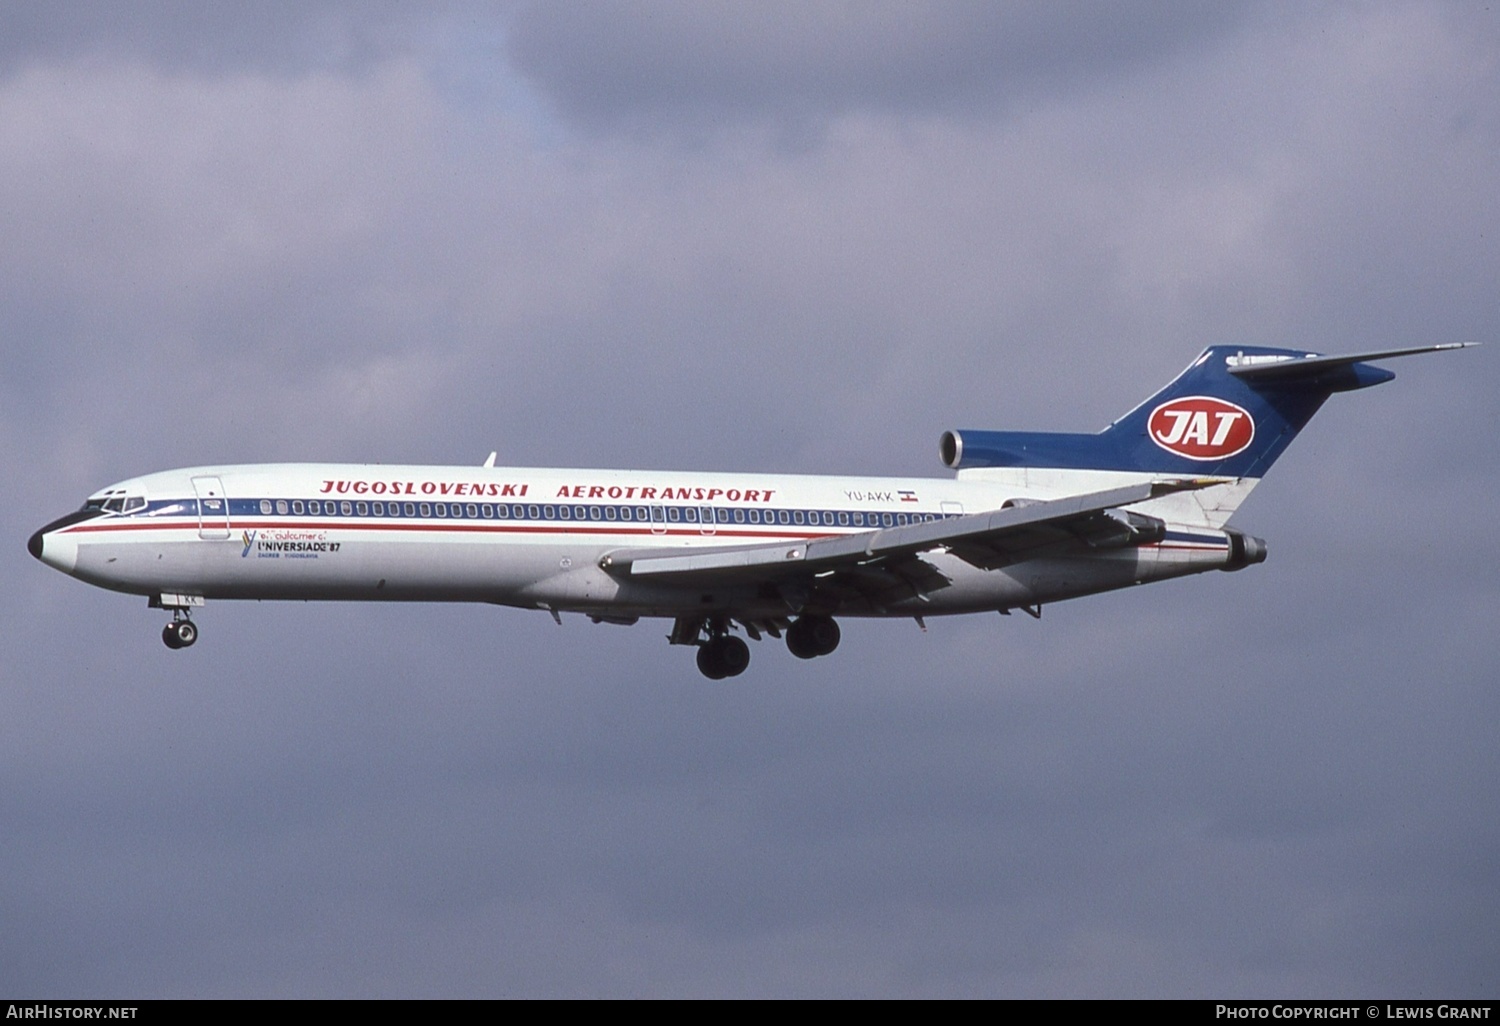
{"type": "Point", "coordinates": [990, 539]}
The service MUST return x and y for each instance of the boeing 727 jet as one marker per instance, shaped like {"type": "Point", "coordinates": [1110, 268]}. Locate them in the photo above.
{"type": "Point", "coordinates": [1028, 519]}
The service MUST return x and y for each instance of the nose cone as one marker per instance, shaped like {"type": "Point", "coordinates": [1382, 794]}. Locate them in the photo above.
{"type": "Point", "coordinates": [54, 548]}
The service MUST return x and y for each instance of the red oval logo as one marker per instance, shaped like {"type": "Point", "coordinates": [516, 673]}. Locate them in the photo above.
{"type": "Point", "coordinates": [1201, 427]}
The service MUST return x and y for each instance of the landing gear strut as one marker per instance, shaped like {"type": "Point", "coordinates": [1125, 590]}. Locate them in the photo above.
{"type": "Point", "coordinates": [181, 632]}
{"type": "Point", "coordinates": [812, 636]}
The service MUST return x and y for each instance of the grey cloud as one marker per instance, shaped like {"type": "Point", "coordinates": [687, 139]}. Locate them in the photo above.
{"type": "Point", "coordinates": [644, 66]}
{"type": "Point", "coordinates": [215, 37]}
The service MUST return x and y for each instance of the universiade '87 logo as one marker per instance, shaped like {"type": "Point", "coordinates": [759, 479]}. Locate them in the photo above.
{"type": "Point", "coordinates": [1200, 427]}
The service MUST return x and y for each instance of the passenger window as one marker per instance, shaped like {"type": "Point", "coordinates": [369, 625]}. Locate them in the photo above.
{"type": "Point", "coordinates": [797, 517]}
{"type": "Point", "coordinates": [489, 511]}
{"type": "Point", "coordinates": [580, 513]}
{"type": "Point", "coordinates": [410, 510]}
{"type": "Point", "coordinates": [281, 507]}
{"type": "Point", "coordinates": [565, 512]}
{"type": "Point", "coordinates": [297, 506]}
{"type": "Point", "coordinates": [362, 509]}
{"type": "Point", "coordinates": [533, 512]}
{"type": "Point", "coordinates": [690, 514]}
{"type": "Point", "coordinates": [595, 513]}
{"type": "Point", "coordinates": [265, 506]}
{"type": "Point", "coordinates": [674, 514]}
{"type": "Point", "coordinates": [426, 510]}
{"type": "Point", "coordinates": [755, 516]}
{"type": "Point", "coordinates": [442, 509]}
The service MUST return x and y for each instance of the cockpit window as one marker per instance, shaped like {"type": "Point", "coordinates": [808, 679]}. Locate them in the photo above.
{"type": "Point", "coordinates": [114, 501]}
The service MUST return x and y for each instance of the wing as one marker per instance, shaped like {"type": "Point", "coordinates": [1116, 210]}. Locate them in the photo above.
{"type": "Point", "coordinates": [887, 563]}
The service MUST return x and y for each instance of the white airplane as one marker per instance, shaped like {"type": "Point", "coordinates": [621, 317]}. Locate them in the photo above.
{"type": "Point", "coordinates": [1028, 519]}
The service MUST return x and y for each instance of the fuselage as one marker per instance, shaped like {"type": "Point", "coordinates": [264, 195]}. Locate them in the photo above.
{"type": "Point", "coordinates": [535, 538]}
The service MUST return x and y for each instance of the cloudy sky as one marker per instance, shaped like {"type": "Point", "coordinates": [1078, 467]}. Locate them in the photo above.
{"type": "Point", "coordinates": [760, 236]}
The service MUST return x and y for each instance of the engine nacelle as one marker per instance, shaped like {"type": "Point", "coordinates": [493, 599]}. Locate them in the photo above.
{"type": "Point", "coordinates": [961, 450]}
{"type": "Point", "coordinates": [1244, 550]}
{"type": "Point", "coordinates": [951, 449]}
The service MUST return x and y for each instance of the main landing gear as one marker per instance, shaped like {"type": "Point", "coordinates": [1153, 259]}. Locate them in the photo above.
{"type": "Point", "coordinates": [181, 632]}
{"type": "Point", "coordinates": [812, 636]}
{"type": "Point", "coordinates": [721, 654]}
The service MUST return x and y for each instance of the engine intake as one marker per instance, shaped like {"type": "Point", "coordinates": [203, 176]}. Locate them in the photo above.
{"type": "Point", "coordinates": [951, 449]}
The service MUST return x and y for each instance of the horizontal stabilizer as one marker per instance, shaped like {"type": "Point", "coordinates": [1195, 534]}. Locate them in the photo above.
{"type": "Point", "coordinates": [1325, 370]}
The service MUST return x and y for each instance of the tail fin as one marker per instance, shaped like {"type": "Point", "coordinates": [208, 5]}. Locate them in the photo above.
{"type": "Point", "coordinates": [1231, 413]}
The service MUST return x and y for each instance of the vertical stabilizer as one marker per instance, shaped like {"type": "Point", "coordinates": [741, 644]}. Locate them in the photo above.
{"type": "Point", "coordinates": [1230, 414]}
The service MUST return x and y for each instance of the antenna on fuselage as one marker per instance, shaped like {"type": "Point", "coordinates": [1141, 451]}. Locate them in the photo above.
{"type": "Point", "coordinates": [490, 462]}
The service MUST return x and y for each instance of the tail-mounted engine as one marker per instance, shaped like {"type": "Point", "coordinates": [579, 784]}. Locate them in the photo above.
{"type": "Point", "coordinates": [1244, 549]}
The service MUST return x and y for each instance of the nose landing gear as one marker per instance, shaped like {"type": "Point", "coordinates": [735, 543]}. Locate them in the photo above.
{"type": "Point", "coordinates": [180, 633]}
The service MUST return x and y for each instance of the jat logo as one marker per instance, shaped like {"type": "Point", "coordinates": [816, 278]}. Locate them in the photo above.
{"type": "Point", "coordinates": [1201, 427]}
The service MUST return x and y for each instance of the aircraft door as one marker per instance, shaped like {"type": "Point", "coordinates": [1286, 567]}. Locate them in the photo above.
{"type": "Point", "coordinates": [658, 520]}
{"type": "Point", "coordinates": [213, 508]}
